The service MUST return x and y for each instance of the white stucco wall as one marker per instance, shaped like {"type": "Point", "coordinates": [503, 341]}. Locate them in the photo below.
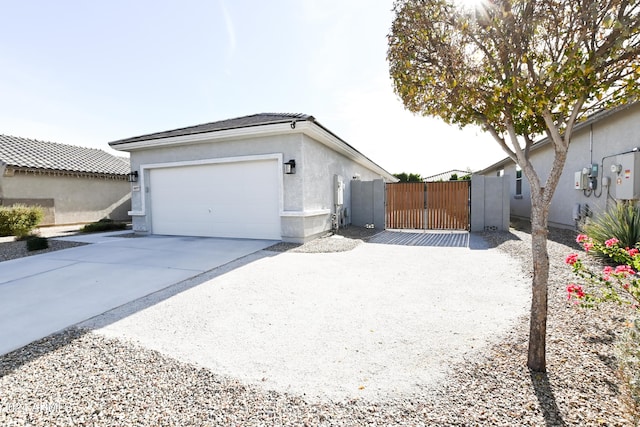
{"type": "Point", "coordinates": [76, 199]}
{"type": "Point", "coordinates": [617, 133]}
{"type": "Point", "coordinates": [316, 173]}
{"type": "Point", "coordinates": [307, 195]}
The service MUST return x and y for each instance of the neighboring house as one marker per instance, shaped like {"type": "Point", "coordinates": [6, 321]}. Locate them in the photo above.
{"type": "Point", "coordinates": [267, 176]}
{"type": "Point", "coordinates": [446, 176]}
{"type": "Point", "coordinates": [601, 168]}
{"type": "Point", "coordinates": [72, 184]}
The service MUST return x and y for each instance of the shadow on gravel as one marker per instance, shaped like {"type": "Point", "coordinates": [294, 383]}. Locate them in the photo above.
{"type": "Point", "coordinates": [13, 360]}
{"type": "Point", "coordinates": [558, 235]}
{"type": "Point", "coordinates": [547, 399]}
{"type": "Point", "coordinates": [17, 358]}
{"type": "Point", "coordinates": [152, 299]}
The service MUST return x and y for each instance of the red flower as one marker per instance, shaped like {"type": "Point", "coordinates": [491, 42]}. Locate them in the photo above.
{"type": "Point", "coordinates": [624, 270]}
{"type": "Point", "coordinates": [581, 238]}
{"type": "Point", "coordinates": [571, 259]}
{"type": "Point", "coordinates": [611, 242]}
{"type": "Point", "coordinates": [587, 246]}
{"type": "Point", "coordinates": [575, 289]}
{"type": "Point", "coordinates": [633, 252]}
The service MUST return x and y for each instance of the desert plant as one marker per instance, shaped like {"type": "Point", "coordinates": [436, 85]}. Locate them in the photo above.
{"type": "Point", "coordinates": [36, 243]}
{"type": "Point", "coordinates": [621, 221]}
{"type": "Point", "coordinates": [104, 224]}
{"type": "Point", "coordinates": [19, 220]}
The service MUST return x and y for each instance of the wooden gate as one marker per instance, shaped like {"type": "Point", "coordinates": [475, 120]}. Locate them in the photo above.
{"type": "Point", "coordinates": [428, 205]}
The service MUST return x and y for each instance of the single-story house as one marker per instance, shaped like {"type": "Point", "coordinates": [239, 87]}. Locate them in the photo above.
{"type": "Point", "coordinates": [600, 168]}
{"type": "Point", "coordinates": [446, 176]}
{"type": "Point", "coordinates": [268, 176]}
{"type": "Point", "coordinates": [72, 184]}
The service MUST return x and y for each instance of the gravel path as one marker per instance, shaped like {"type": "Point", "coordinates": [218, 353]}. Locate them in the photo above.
{"type": "Point", "coordinates": [82, 378]}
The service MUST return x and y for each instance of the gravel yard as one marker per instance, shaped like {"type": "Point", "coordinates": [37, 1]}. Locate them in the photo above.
{"type": "Point", "coordinates": [12, 250]}
{"type": "Point", "coordinates": [82, 378]}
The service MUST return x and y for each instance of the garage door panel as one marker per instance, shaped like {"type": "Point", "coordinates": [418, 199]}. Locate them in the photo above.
{"type": "Point", "coordinates": [239, 199]}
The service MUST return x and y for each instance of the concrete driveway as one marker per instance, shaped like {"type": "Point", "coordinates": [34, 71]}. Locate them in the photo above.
{"type": "Point", "coordinates": [43, 294]}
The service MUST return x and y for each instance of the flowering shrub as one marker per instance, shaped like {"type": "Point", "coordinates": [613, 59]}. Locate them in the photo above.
{"type": "Point", "coordinates": [620, 284]}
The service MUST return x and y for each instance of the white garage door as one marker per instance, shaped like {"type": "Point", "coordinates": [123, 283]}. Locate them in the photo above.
{"type": "Point", "coordinates": [239, 199]}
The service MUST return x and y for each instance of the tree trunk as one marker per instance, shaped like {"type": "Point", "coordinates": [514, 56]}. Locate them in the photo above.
{"type": "Point", "coordinates": [538, 325]}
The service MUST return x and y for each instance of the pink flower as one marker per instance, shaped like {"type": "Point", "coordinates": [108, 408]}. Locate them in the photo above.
{"type": "Point", "coordinates": [571, 259]}
{"type": "Point", "coordinates": [633, 252]}
{"type": "Point", "coordinates": [606, 273]}
{"type": "Point", "coordinates": [625, 270]}
{"type": "Point", "coordinates": [587, 246]}
{"type": "Point", "coordinates": [611, 242]}
{"type": "Point", "coordinates": [575, 289]}
{"type": "Point", "coordinates": [581, 238]}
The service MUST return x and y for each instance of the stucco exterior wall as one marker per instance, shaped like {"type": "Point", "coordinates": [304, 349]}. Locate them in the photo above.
{"type": "Point", "coordinates": [368, 203]}
{"type": "Point", "coordinates": [616, 133]}
{"type": "Point", "coordinates": [307, 195]}
{"type": "Point", "coordinates": [319, 166]}
{"type": "Point", "coordinates": [289, 146]}
{"type": "Point", "coordinates": [75, 199]}
{"type": "Point", "coordinates": [489, 203]}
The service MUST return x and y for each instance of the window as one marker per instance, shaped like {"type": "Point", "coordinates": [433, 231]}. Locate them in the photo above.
{"type": "Point", "coordinates": [518, 182]}
{"type": "Point", "coordinates": [500, 172]}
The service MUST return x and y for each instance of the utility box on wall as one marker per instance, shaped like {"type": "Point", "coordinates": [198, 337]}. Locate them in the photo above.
{"type": "Point", "coordinates": [626, 176]}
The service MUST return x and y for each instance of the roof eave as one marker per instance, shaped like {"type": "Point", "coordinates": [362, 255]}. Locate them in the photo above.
{"type": "Point", "coordinates": [204, 137]}
{"type": "Point", "coordinates": [307, 127]}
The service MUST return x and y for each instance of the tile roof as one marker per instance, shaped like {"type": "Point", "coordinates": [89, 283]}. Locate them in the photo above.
{"type": "Point", "coordinates": [235, 123]}
{"type": "Point", "coordinates": [34, 154]}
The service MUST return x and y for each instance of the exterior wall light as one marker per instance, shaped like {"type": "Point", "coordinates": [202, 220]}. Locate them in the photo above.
{"type": "Point", "coordinates": [290, 167]}
{"type": "Point", "coordinates": [133, 176]}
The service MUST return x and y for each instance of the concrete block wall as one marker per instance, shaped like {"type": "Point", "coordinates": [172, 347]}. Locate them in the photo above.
{"type": "Point", "coordinates": [490, 203]}
{"type": "Point", "coordinates": [367, 203]}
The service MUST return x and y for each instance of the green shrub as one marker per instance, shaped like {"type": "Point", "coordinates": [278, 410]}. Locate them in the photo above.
{"type": "Point", "coordinates": [621, 221]}
{"type": "Point", "coordinates": [19, 220]}
{"type": "Point", "coordinates": [36, 243]}
{"type": "Point", "coordinates": [104, 225]}
{"type": "Point", "coordinates": [628, 355]}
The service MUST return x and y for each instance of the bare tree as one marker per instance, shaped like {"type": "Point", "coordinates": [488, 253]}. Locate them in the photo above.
{"type": "Point", "coordinates": [520, 69]}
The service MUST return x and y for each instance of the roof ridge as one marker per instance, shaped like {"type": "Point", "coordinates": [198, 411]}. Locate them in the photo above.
{"type": "Point", "coordinates": [50, 142]}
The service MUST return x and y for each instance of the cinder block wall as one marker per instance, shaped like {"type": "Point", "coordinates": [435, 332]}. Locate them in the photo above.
{"type": "Point", "coordinates": [489, 203]}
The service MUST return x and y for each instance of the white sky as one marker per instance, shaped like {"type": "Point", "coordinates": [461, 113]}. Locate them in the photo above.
{"type": "Point", "coordinates": [89, 72]}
